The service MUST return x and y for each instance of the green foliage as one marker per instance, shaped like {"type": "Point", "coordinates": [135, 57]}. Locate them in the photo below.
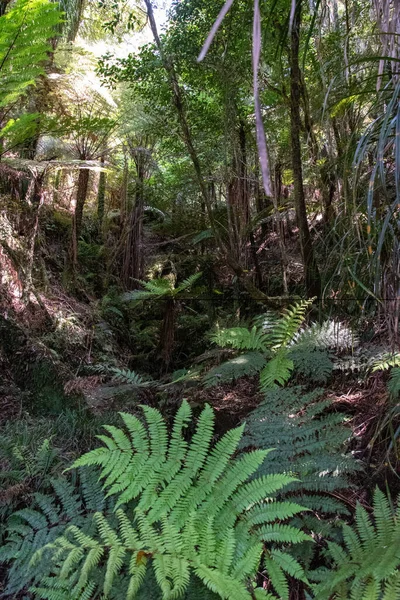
{"type": "Point", "coordinates": [122, 375]}
{"type": "Point", "coordinates": [368, 566]}
{"type": "Point", "coordinates": [186, 509]}
{"type": "Point", "coordinates": [241, 338]}
{"type": "Point", "coordinates": [25, 30]}
{"type": "Point", "coordinates": [160, 288]}
{"type": "Point", "coordinates": [313, 364]}
{"type": "Point", "coordinates": [269, 342]}
{"type": "Point", "coordinates": [329, 335]}
{"type": "Point", "coordinates": [243, 365]}
{"type": "Point", "coordinates": [310, 443]}
{"type": "Point", "coordinates": [394, 382]}
{"type": "Point", "coordinates": [385, 362]}
{"type": "Point", "coordinates": [26, 466]}
{"type": "Point", "coordinates": [29, 529]}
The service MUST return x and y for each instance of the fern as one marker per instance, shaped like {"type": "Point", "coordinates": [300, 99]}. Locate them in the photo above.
{"type": "Point", "coordinates": [268, 340]}
{"type": "Point", "coordinates": [244, 365]}
{"type": "Point", "coordinates": [124, 376]}
{"type": "Point", "coordinates": [283, 332]}
{"type": "Point", "coordinates": [27, 467]}
{"type": "Point", "coordinates": [277, 371]}
{"type": "Point", "coordinates": [29, 529]}
{"type": "Point", "coordinates": [185, 509]}
{"type": "Point", "coordinates": [241, 338]}
{"type": "Point", "coordinates": [329, 335]}
{"type": "Point", "coordinates": [394, 382]}
{"type": "Point", "coordinates": [311, 363]}
{"type": "Point", "coordinates": [310, 444]}
{"type": "Point", "coordinates": [159, 288]}
{"type": "Point", "coordinates": [368, 565]}
{"type": "Point", "coordinates": [24, 33]}
{"type": "Point", "coordinates": [385, 362]}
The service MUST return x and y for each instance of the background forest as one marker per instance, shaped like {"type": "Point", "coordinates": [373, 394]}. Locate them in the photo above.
{"type": "Point", "coordinates": [200, 299]}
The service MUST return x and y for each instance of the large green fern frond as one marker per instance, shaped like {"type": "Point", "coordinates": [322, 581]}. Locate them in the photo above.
{"type": "Point", "coordinates": [289, 324]}
{"type": "Point", "coordinates": [188, 283]}
{"type": "Point", "coordinates": [25, 31]}
{"type": "Point", "coordinates": [185, 508]}
{"type": "Point", "coordinates": [369, 565]}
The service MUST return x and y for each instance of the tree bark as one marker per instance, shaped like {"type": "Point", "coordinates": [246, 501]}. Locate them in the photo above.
{"type": "Point", "coordinates": [180, 108]}
{"type": "Point", "coordinates": [83, 184]}
{"type": "Point", "coordinates": [101, 194]}
{"type": "Point", "coordinates": [133, 255]}
{"type": "Point", "coordinates": [311, 272]}
{"type": "Point", "coordinates": [3, 6]}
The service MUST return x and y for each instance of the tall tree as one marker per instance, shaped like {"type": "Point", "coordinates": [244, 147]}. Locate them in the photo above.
{"type": "Point", "coordinates": [311, 272]}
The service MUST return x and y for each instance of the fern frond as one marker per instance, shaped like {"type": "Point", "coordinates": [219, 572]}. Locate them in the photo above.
{"type": "Point", "coordinates": [241, 338]}
{"type": "Point", "coordinates": [188, 283]}
{"type": "Point", "coordinates": [386, 361]}
{"type": "Point", "coordinates": [248, 364]}
{"type": "Point", "coordinates": [206, 517]}
{"type": "Point", "coordinates": [126, 376]}
{"type": "Point", "coordinates": [276, 372]}
{"type": "Point", "coordinates": [394, 382]}
{"type": "Point", "coordinates": [288, 325]}
{"type": "Point", "coordinates": [369, 566]}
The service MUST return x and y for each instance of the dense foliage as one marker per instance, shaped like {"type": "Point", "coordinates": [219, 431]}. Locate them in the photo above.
{"type": "Point", "coordinates": [199, 221]}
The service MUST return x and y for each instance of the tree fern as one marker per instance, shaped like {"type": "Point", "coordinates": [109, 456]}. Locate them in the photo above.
{"type": "Point", "coordinates": [159, 288]}
{"type": "Point", "coordinates": [187, 509]}
{"type": "Point", "coordinates": [368, 564]}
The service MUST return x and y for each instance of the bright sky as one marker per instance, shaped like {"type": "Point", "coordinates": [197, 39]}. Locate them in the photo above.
{"type": "Point", "coordinates": [132, 42]}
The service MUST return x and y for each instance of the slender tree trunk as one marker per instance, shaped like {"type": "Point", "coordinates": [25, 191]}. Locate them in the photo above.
{"type": "Point", "coordinates": [180, 108]}
{"type": "Point", "coordinates": [133, 256]}
{"type": "Point", "coordinates": [311, 273]}
{"type": "Point", "coordinates": [101, 194]}
{"type": "Point", "coordinates": [35, 200]}
{"type": "Point", "coordinates": [83, 184]}
{"type": "Point", "coordinates": [279, 223]}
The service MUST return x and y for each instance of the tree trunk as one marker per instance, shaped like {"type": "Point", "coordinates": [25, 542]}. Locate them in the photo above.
{"type": "Point", "coordinates": [101, 194]}
{"type": "Point", "coordinates": [177, 96]}
{"type": "Point", "coordinates": [311, 273]}
{"type": "Point", "coordinates": [83, 184]}
{"type": "Point", "coordinates": [3, 6]}
{"type": "Point", "coordinates": [132, 268]}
